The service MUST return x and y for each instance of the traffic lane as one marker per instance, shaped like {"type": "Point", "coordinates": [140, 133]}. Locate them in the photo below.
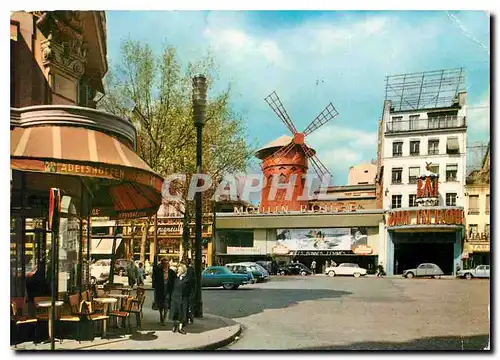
{"type": "Point", "coordinates": [380, 313]}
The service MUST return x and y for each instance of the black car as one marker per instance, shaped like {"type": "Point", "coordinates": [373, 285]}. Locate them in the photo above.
{"type": "Point", "coordinates": [295, 269]}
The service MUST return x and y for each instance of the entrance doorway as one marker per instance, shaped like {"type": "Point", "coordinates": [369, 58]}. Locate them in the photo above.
{"type": "Point", "coordinates": [413, 249]}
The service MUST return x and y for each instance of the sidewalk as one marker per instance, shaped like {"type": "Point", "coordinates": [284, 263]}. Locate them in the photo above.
{"type": "Point", "coordinates": [208, 333]}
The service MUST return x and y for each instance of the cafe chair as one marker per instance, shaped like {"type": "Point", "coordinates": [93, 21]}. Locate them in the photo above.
{"type": "Point", "coordinates": [124, 313]}
{"type": "Point", "coordinates": [74, 319]}
{"type": "Point", "coordinates": [17, 320]}
{"type": "Point", "coordinates": [137, 304]}
{"type": "Point", "coordinates": [95, 317]}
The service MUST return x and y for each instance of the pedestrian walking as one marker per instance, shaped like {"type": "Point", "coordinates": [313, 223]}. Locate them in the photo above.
{"type": "Point", "coordinates": [380, 270]}
{"type": "Point", "coordinates": [141, 274]}
{"type": "Point", "coordinates": [313, 266]}
{"type": "Point", "coordinates": [132, 274]}
{"type": "Point", "coordinates": [163, 283]}
{"type": "Point", "coordinates": [180, 300]}
{"type": "Point", "coordinates": [457, 269]}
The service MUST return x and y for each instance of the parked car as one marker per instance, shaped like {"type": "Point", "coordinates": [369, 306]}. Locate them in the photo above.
{"type": "Point", "coordinates": [424, 270]}
{"type": "Point", "coordinates": [256, 272]}
{"type": "Point", "coordinates": [216, 276]}
{"type": "Point", "coordinates": [481, 271]}
{"type": "Point", "coordinates": [121, 266]}
{"type": "Point", "coordinates": [260, 268]}
{"type": "Point", "coordinates": [345, 269]}
{"type": "Point", "coordinates": [295, 269]}
{"type": "Point", "coordinates": [99, 271]}
{"type": "Point", "coordinates": [242, 269]}
{"type": "Point", "coordinates": [265, 264]}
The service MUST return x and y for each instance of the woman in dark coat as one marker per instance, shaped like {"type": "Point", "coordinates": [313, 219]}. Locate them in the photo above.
{"type": "Point", "coordinates": [180, 300]}
{"type": "Point", "coordinates": [163, 283]}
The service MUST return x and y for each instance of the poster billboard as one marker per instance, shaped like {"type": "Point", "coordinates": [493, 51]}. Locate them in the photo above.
{"type": "Point", "coordinates": [338, 239]}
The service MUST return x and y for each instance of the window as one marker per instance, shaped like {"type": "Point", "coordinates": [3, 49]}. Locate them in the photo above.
{"type": "Point", "coordinates": [415, 148]}
{"type": "Point", "coordinates": [487, 230]}
{"type": "Point", "coordinates": [397, 123]}
{"type": "Point", "coordinates": [451, 199]}
{"type": "Point", "coordinates": [413, 175]}
{"type": "Point", "coordinates": [452, 146]}
{"type": "Point", "coordinates": [397, 175]}
{"type": "Point", "coordinates": [396, 201]}
{"type": "Point", "coordinates": [434, 168]}
{"type": "Point", "coordinates": [472, 229]}
{"type": "Point", "coordinates": [397, 148]}
{"type": "Point", "coordinates": [414, 122]}
{"type": "Point", "coordinates": [474, 204]}
{"type": "Point", "coordinates": [487, 204]}
{"type": "Point", "coordinates": [433, 147]}
{"type": "Point", "coordinates": [412, 198]}
{"type": "Point", "coordinates": [451, 172]}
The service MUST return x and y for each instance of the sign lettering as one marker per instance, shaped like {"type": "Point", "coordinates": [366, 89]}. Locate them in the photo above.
{"type": "Point", "coordinates": [425, 217]}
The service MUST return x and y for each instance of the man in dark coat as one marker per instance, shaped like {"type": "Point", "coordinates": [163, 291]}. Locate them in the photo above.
{"type": "Point", "coordinates": [192, 284]}
{"type": "Point", "coordinates": [180, 300]}
{"type": "Point", "coordinates": [163, 283]}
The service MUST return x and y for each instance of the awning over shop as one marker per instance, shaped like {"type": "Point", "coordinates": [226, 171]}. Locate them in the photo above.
{"type": "Point", "coordinates": [127, 187]}
{"type": "Point", "coordinates": [104, 246]}
{"type": "Point", "coordinates": [452, 144]}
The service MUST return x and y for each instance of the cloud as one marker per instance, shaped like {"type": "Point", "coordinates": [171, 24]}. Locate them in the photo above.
{"type": "Point", "coordinates": [478, 116]}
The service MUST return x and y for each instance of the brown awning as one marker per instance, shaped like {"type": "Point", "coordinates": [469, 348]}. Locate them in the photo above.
{"type": "Point", "coordinates": [135, 190]}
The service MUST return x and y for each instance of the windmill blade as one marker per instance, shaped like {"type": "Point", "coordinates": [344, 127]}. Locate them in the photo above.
{"type": "Point", "coordinates": [275, 103]}
{"type": "Point", "coordinates": [272, 160]}
{"type": "Point", "coordinates": [326, 115]}
{"type": "Point", "coordinates": [318, 166]}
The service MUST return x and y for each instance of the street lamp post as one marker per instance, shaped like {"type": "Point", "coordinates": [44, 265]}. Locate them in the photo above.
{"type": "Point", "coordinates": [199, 110]}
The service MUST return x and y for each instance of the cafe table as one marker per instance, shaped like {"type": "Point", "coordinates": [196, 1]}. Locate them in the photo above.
{"type": "Point", "coordinates": [48, 304]}
{"type": "Point", "coordinates": [105, 301]}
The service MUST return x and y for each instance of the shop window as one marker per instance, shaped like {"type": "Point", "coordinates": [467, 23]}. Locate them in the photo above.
{"type": "Point", "coordinates": [473, 204]}
{"type": "Point", "coordinates": [451, 172]}
{"type": "Point", "coordinates": [487, 204]}
{"type": "Point", "coordinates": [412, 198]}
{"type": "Point", "coordinates": [433, 147]}
{"type": "Point", "coordinates": [237, 238]}
{"type": "Point", "coordinates": [413, 174]}
{"type": "Point", "coordinates": [396, 201]}
{"type": "Point", "coordinates": [415, 148]}
{"type": "Point", "coordinates": [397, 148]}
{"type": "Point", "coordinates": [451, 199]}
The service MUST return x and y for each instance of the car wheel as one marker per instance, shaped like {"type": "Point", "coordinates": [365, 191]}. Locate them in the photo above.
{"type": "Point", "coordinates": [331, 273]}
{"type": "Point", "coordinates": [357, 274]}
{"type": "Point", "coordinates": [235, 287]}
{"type": "Point", "coordinates": [121, 272]}
{"type": "Point", "coordinates": [282, 273]}
{"type": "Point", "coordinates": [409, 275]}
{"type": "Point", "coordinates": [468, 276]}
{"type": "Point", "coordinates": [303, 273]}
{"type": "Point", "coordinates": [93, 280]}
{"type": "Point", "coordinates": [228, 286]}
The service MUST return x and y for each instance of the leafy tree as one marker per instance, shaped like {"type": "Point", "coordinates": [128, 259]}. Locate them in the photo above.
{"type": "Point", "coordinates": [155, 91]}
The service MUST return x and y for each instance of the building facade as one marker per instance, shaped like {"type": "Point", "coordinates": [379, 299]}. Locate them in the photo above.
{"type": "Point", "coordinates": [422, 136]}
{"type": "Point", "coordinates": [477, 218]}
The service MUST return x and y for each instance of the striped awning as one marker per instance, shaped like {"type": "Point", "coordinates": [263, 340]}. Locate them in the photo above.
{"type": "Point", "coordinates": [135, 190]}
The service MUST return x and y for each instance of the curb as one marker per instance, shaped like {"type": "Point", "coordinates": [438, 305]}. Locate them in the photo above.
{"type": "Point", "coordinates": [218, 344]}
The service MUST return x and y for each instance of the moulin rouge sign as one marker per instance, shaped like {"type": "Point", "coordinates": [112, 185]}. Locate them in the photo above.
{"type": "Point", "coordinates": [425, 216]}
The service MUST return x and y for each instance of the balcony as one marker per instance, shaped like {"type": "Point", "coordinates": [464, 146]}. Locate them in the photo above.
{"type": "Point", "coordinates": [434, 123]}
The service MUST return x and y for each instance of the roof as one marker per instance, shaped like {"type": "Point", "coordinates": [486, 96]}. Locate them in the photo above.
{"type": "Point", "coordinates": [282, 141]}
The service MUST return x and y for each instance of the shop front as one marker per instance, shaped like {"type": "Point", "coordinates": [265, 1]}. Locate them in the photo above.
{"type": "Point", "coordinates": [323, 236]}
{"type": "Point", "coordinates": [476, 250]}
{"type": "Point", "coordinates": [425, 234]}
{"type": "Point", "coordinates": [70, 148]}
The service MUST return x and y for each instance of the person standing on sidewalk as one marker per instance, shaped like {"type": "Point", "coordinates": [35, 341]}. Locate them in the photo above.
{"type": "Point", "coordinates": [313, 267]}
{"type": "Point", "coordinates": [141, 274]}
{"type": "Point", "coordinates": [132, 274]}
{"type": "Point", "coordinates": [180, 300]}
{"type": "Point", "coordinates": [163, 283]}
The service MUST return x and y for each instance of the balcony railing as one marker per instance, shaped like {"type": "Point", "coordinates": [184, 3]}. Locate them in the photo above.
{"type": "Point", "coordinates": [473, 211]}
{"type": "Point", "coordinates": [434, 123]}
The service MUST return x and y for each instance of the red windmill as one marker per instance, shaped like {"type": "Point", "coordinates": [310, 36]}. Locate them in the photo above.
{"type": "Point", "coordinates": [290, 155]}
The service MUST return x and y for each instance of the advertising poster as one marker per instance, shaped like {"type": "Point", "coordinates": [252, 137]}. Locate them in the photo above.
{"type": "Point", "coordinates": [336, 239]}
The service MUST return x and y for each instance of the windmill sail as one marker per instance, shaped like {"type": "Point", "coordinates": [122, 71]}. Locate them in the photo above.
{"type": "Point", "coordinates": [328, 113]}
{"type": "Point", "coordinates": [275, 103]}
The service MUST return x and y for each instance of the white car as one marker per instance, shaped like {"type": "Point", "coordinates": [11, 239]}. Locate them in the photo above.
{"type": "Point", "coordinates": [345, 269]}
{"type": "Point", "coordinates": [265, 273]}
{"type": "Point", "coordinates": [99, 271]}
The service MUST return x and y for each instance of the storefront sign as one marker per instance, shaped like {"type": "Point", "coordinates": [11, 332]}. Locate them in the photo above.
{"type": "Point", "coordinates": [280, 250]}
{"type": "Point", "coordinates": [315, 209]}
{"type": "Point", "coordinates": [363, 250]}
{"type": "Point", "coordinates": [427, 187]}
{"type": "Point", "coordinates": [320, 253]}
{"type": "Point", "coordinates": [478, 236]}
{"type": "Point", "coordinates": [233, 250]}
{"type": "Point", "coordinates": [170, 229]}
{"type": "Point", "coordinates": [479, 247]}
{"type": "Point", "coordinates": [425, 217]}
{"type": "Point", "coordinates": [338, 239]}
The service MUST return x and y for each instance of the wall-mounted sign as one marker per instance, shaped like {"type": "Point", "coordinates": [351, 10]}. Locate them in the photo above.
{"type": "Point", "coordinates": [477, 247]}
{"type": "Point", "coordinates": [339, 239]}
{"type": "Point", "coordinates": [314, 209]}
{"type": "Point", "coordinates": [478, 236]}
{"type": "Point", "coordinates": [427, 187]}
{"type": "Point", "coordinates": [362, 250]}
{"type": "Point", "coordinates": [280, 250]}
{"type": "Point", "coordinates": [425, 216]}
{"type": "Point", "coordinates": [234, 250]}
{"type": "Point", "coordinates": [320, 253]}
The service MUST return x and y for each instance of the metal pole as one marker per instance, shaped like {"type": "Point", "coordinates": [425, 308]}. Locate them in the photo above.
{"type": "Point", "coordinates": [56, 199]}
{"type": "Point", "coordinates": [198, 308]}
{"type": "Point", "coordinates": [155, 240]}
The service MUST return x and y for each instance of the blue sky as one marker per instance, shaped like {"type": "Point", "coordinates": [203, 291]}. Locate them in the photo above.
{"type": "Point", "coordinates": [313, 57]}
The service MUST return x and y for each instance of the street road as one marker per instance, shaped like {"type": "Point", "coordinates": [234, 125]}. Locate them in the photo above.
{"type": "Point", "coordinates": [321, 313]}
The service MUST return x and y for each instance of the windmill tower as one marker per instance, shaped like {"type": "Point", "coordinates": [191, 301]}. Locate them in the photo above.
{"type": "Point", "coordinates": [289, 155]}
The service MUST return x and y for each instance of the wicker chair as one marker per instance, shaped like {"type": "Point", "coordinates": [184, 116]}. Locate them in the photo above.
{"type": "Point", "coordinates": [124, 313]}
{"type": "Point", "coordinates": [137, 304]}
